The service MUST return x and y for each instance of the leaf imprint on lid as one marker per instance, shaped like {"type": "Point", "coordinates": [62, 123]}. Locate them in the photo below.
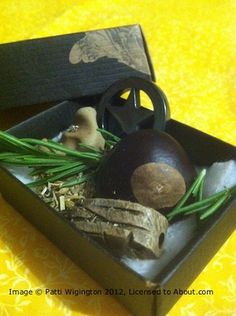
{"type": "Point", "coordinates": [123, 44]}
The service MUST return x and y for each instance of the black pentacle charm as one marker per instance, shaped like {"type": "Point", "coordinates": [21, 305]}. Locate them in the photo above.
{"type": "Point", "coordinates": [115, 112]}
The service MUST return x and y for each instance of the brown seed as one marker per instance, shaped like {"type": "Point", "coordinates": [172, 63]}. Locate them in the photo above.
{"type": "Point", "coordinates": [157, 185]}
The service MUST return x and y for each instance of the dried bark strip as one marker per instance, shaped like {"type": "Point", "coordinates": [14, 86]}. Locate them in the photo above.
{"type": "Point", "coordinates": [126, 228]}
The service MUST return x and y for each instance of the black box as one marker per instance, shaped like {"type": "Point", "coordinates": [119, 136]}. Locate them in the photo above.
{"type": "Point", "coordinates": [69, 66]}
{"type": "Point", "coordinates": [178, 273]}
{"type": "Point", "coordinates": [52, 69]}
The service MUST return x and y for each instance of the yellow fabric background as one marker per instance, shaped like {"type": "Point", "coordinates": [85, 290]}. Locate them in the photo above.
{"type": "Point", "coordinates": [193, 49]}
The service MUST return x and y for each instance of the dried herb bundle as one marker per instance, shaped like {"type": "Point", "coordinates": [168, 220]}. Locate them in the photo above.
{"type": "Point", "coordinates": [64, 199]}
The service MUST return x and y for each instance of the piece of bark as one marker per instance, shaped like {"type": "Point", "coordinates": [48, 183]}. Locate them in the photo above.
{"type": "Point", "coordinates": [124, 227]}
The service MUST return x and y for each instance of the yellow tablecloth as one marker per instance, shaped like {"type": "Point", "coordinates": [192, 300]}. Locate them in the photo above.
{"type": "Point", "coordinates": [193, 49]}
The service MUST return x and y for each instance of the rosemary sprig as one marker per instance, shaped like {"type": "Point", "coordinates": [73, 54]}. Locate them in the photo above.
{"type": "Point", "coordinates": [61, 148]}
{"type": "Point", "coordinates": [204, 207]}
{"type": "Point", "coordinates": [192, 190]}
{"type": "Point", "coordinates": [52, 161]}
{"type": "Point", "coordinates": [108, 135]}
{"type": "Point", "coordinates": [70, 172]}
{"type": "Point", "coordinates": [215, 206]}
{"type": "Point", "coordinates": [79, 180]}
{"type": "Point", "coordinates": [15, 142]}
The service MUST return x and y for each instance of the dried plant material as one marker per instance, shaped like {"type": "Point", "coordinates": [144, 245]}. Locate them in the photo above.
{"type": "Point", "coordinates": [86, 133]}
{"type": "Point", "coordinates": [64, 199]}
{"type": "Point", "coordinates": [45, 189]}
{"type": "Point", "coordinates": [124, 227]}
{"type": "Point", "coordinates": [62, 202]}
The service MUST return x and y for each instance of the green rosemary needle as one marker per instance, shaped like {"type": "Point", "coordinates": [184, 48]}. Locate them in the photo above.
{"type": "Point", "coordinates": [204, 206]}
{"type": "Point", "coordinates": [79, 180]}
{"type": "Point", "coordinates": [108, 135]}
{"type": "Point", "coordinates": [63, 149]}
{"type": "Point", "coordinates": [52, 161]}
{"type": "Point", "coordinates": [190, 191]}
{"type": "Point", "coordinates": [215, 206]}
{"type": "Point", "coordinates": [196, 206]}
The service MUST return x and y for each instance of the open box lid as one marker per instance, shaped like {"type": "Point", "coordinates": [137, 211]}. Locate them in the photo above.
{"type": "Point", "coordinates": [69, 66]}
